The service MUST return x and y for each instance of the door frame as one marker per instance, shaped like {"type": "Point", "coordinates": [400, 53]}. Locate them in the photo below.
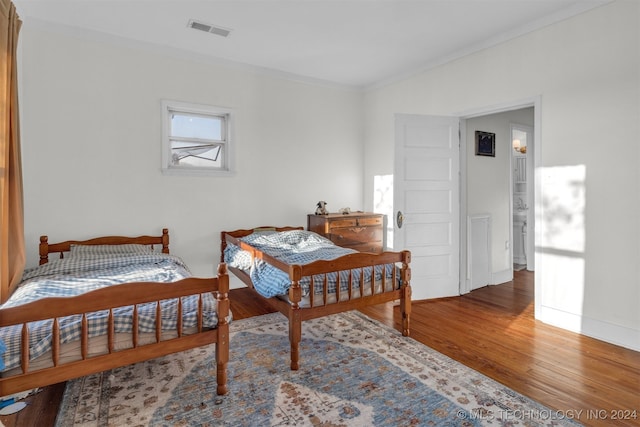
{"type": "Point", "coordinates": [534, 215]}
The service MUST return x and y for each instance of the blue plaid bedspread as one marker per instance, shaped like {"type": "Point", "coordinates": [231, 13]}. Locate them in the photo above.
{"type": "Point", "coordinates": [74, 276]}
{"type": "Point", "coordinates": [293, 247]}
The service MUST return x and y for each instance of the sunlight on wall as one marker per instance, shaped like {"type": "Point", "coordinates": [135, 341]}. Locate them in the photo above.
{"type": "Point", "coordinates": [563, 207]}
{"type": "Point", "coordinates": [563, 236]}
{"type": "Point", "coordinates": [383, 202]}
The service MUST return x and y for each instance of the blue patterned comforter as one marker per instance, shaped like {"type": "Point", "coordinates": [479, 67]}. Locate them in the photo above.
{"type": "Point", "coordinates": [293, 247]}
{"type": "Point", "coordinates": [74, 276]}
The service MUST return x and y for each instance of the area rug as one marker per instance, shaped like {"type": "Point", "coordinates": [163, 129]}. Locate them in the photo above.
{"type": "Point", "coordinates": [354, 371]}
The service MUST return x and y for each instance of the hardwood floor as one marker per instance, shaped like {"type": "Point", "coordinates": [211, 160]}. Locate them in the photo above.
{"type": "Point", "coordinates": [491, 330]}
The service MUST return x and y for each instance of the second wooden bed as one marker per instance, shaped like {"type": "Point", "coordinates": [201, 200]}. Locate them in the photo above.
{"type": "Point", "coordinates": [356, 290]}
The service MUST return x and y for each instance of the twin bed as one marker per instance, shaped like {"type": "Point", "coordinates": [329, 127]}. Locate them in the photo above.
{"type": "Point", "coordinates": [113, 301]}
{"type": "Point", "coordinates": [304, 275]}
{"type": "Point", "coordinates": [108, 302]}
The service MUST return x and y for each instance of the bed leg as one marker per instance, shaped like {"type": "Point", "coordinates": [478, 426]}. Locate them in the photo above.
{"type": "Point", "coordinates": [295, 335]}
{"type": "Point", "coordinates": [405, 303]}
{"type": "Point", "coordinates": [295, 319]}
{"type": "Point", "coordinates": [222, 357]}
{"type": "Point", "coordinates": [405, 307]}
{"type": "Point", "coordinates": [221, 376]}
{"type": "Point", "coordinates": [222, 343]}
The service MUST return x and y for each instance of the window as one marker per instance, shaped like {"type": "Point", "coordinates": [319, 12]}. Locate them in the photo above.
{"type": "Point", "coordinates": [196, 139]}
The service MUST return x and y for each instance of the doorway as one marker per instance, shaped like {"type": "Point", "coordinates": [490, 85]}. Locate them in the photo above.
{"type": "Point", "coordinates": [494, 191]}
{"type": "Point", "coordinates": [487, 189]}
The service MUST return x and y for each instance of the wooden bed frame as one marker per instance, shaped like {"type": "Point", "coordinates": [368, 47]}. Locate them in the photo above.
{"type": "Point", "coordinates": [112, 297]}
{"type": "Point", "coordinates": [297, 314]}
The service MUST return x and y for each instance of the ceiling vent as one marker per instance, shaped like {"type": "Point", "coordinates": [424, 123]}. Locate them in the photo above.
{"type": "Point", "coordinates": [196, 25]}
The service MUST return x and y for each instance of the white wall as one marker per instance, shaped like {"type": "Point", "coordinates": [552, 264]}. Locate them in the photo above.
{"type": "Point", "coordinates": [586, 71]}
{"type": "Point", "coordinates": [91, 135]}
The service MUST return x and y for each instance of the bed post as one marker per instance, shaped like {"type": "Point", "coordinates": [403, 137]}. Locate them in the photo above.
{"type": "Point", "coordinates": [405, 299]}
{"type": "Point", "coordinates": [222, 344]}
{"type": "Point", "coordinates": [44, 249]}
{"type": "Point", "coordinates": [165, 240]}
{"type": "Point", "coordinates": [223, 245]}
{"type": "Point", "coordinates": [295, 319]}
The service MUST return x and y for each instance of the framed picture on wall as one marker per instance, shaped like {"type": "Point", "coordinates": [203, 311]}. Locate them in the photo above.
{"type": "Point", "coordinates": [485, 144]}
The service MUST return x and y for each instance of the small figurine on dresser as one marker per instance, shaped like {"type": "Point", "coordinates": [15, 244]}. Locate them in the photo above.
{"type": "Point", "coordinates": [321, 208]}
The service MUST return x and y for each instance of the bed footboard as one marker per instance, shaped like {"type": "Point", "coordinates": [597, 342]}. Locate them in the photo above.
{"type": "Point", "coordinates": [358, 292]}
{"type": "Point", "coordinates": [128, 294]}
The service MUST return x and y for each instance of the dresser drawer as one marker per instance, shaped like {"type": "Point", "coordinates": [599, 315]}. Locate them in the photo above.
{"type": "Point", "coordinates": [355, 222]}
{"type": "Point", "coordinates": [342, 223]}
{"type": "Point", "coordinates": [361, 231]}
{"type": "Point", "coordinates": [369, 221]}
{"type": "Point", "coordinates": [355, 235]}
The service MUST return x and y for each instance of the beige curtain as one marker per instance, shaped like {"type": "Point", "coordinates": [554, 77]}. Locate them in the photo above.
{"type": "Point", "coordinates": [12, 251]}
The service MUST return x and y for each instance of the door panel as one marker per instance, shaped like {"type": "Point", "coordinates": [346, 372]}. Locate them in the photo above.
{"type": "Point", "coordinates": [421, 167]}
{"type": "Point", "coordinates": [437, 201]}
{"type": "Point", "coordinates": [426, 191]}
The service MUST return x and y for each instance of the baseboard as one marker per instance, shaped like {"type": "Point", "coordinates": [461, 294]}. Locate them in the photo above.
{"type": "Point", "coordinates": [604, 331]}
{"type": "Point", "coordinates": [500, 277]}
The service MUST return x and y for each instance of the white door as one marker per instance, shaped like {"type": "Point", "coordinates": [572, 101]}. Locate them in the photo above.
{"type": "Point", "coordinates": [426, 201]}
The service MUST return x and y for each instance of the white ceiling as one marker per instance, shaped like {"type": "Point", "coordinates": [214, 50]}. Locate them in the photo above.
{"type": "Point", "coordinates": [348, 42]}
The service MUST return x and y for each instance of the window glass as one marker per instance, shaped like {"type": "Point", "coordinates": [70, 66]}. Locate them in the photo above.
{"type": "Point", "coordinates": [192, 126]}
{"type": "Point", "coordinates": [188, 154]}
{"type": "Point", "coordinates": [196, 139]}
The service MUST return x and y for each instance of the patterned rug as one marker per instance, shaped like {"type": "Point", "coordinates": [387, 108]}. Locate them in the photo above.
{"type": "Point", "coordinates": [354, 371]}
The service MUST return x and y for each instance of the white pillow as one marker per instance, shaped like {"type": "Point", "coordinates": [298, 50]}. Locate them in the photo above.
{"type": "Point", "coordinates": [126, 249]}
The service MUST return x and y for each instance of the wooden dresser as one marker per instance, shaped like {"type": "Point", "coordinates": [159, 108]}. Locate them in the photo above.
{"type": "Point", "coordinates": [361, 231]}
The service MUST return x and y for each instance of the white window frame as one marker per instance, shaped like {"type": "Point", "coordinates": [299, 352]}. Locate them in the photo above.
{"type": "Point", "coordinates": [227, 168]}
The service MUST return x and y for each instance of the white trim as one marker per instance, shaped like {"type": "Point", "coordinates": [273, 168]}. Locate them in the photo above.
{"type": "Point", "coordinates": [533, 101]}
{"type": "Point", "coordinates": [604, 331]}
{"type": "Point", "coordinates": [206, 110]}
{"type": "Point", "coordinates": [503, 276]}
{"type": "Point", "coordinates": [538, 208]}
{"type": "Point", "coordinates": [465, 271]}
{"type": "Point", "coordinates": [569, 12]}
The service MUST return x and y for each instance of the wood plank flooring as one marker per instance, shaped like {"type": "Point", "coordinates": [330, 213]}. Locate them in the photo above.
{"type": "Point", "coordinates": [491, 330]}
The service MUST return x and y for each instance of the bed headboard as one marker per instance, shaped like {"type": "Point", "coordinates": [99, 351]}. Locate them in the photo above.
{"type": "Point", "coordinates": [237, 234]}
{"type": "Point", "coordinates": [60, 248]}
